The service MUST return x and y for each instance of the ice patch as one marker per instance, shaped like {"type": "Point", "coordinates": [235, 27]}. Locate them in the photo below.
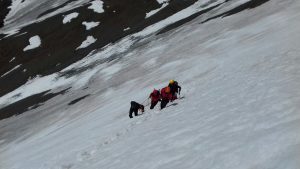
{"type": "Point", "coordinates": [10, 70]}
{"type": "Point", "coordinates": [34, 42]}
{"type": "Point", "coordinates": [162, 1]}
{"type": "Point", "coordinates": [12, 59]}
{"type": "Point", "coordinates": [97, 6]}
{"type": "Point", "coordinates": [156, 10]}
{"type": "Point", "coordinates": [69, 17]}
{"type": "Point", "coordinates": [90, 25]}
{"type": "Point", "coordinates": [126, 29]}
{"type": "Point", "coordinates": [89, 40]}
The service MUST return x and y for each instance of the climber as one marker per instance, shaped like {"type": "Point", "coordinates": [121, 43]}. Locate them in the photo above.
{"type": "Point", "coordinates": [134, 108]}
{"type": "Point", "coordinates": [155, 98]}
{"type": "Point", "coordinates": [166, 96]}
{"type": "Point", "coordinates": [175, 88]}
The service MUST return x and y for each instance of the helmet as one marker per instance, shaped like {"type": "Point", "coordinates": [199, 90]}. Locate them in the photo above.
{"type": "Point", "coordinates": [168, 89]}
{"type": "Point", "coordinates": [171, 81]}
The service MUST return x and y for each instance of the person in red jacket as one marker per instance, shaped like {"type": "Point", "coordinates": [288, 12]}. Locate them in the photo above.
{"type": "Point", "coordinates": [166, 96]}
{"type": "Point", "coordinates": [155, 98]}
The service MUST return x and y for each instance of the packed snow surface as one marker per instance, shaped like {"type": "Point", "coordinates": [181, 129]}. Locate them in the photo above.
{"type": "Point", "coordinates": [97, 6]}
{"type": "Point", "coordinates": [34, 42]}
{"type": "Point", "coordinates": [90, 25]}
{"type": "Point", "coordinates": [89, 40]}
{"type": "Point", "coordinates": [69, 17]}
{"type": "Point", "coordinates": [240, 79]}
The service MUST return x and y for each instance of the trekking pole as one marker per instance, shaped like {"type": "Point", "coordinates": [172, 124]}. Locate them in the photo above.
{"type": "Point", "coordinates": [147, 103]}
{"type": "Point", "coordinates": [145, 100]}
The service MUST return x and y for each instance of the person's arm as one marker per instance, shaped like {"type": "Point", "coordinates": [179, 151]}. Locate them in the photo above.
{"type": "Point", "coordinates": [179, 90]}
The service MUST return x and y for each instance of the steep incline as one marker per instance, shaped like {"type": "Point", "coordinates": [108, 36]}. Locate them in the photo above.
{"type": "Point", "coordinates": [240, 76]}
{"type": "Point", "coordinates": [63, 28]}
{"type": "Point", "coordinates": [52, 44]}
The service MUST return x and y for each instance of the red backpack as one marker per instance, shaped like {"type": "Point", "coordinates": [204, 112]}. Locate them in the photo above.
{"type": "Point", "coordinates": [156, 92]}
{"type": "Point", "coordinates": [155, 95]}
{"type": "Point", "coordinates": [165, 93]}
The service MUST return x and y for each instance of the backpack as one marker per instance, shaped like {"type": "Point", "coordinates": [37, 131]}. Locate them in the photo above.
{"type": "Point", "coordinates": [156, 92]}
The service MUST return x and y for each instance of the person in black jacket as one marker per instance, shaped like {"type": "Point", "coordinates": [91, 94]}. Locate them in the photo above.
{"type": "Point", "coordinates": [134, 108]}
{"type": "Point", "coordinates": [175, 88]}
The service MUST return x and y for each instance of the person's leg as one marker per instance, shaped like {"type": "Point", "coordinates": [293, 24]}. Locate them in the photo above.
{"type": "Point", "coordinates": [164, 103]}
{"type": "Point", "coordinates": [136, 112]}
{"type": "Point", "coordinates": [130, 113]}
{"type": "Point", "coordinates": [172, 94]}
{"type": "Point", "coordinates": [153, 104]}
{"type": "Point", "coordinates": [175, 96]}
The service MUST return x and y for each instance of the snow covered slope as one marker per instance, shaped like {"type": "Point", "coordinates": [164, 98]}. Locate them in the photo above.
{"type": "Point", "coordinates": [240, 76]}
{"type": "Point", "coordinates": [61, 29]}
{"type": "Point", "coordinates": [25, 12]}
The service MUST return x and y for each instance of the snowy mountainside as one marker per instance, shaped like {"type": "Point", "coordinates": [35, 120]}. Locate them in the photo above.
{"type": "Point", "coordinates": [238, 65]}
{"type": "Point", "coordinates": [47, 56]}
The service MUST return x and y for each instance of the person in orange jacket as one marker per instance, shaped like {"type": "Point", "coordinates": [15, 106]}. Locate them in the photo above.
{"type": "Point", "coordinates": [155, 98]}
{"type": "Point", "coordinates": [166, 96]}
